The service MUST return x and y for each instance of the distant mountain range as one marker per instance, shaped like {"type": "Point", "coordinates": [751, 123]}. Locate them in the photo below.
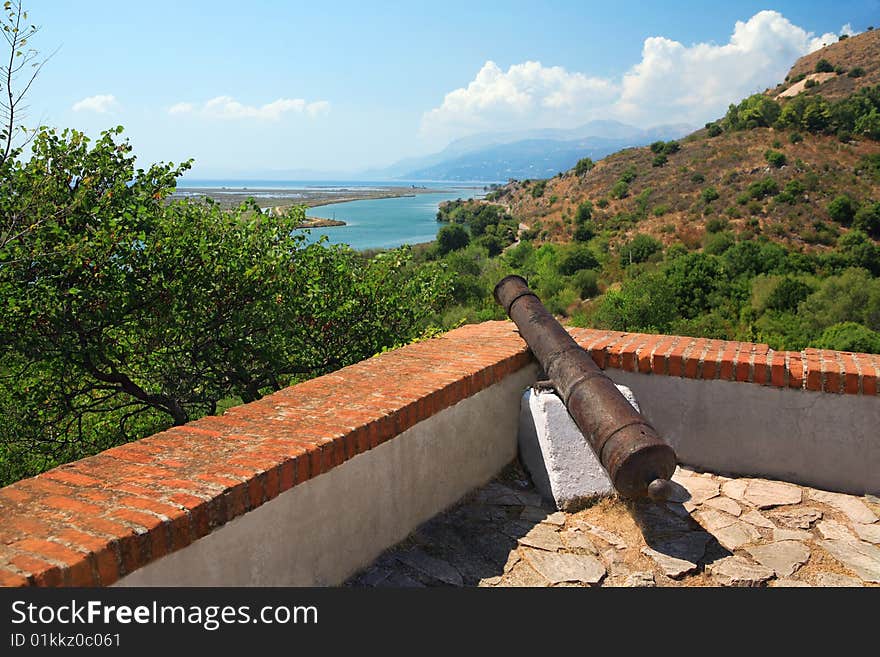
{"type": "Point", "coordinates": [525, 154]}
{"type": "Point", "coordinates": [493, 156]}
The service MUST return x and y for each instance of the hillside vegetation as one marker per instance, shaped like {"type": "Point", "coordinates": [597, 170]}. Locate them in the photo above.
{"type": "Point", "coordinates": [762, 225]}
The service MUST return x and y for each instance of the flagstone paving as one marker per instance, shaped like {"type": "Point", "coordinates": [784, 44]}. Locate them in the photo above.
{"type": "Point", "coordinates": [715, 531]}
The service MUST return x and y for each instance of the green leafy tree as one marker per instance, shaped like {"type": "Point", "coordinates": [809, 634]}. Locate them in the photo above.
{"type": "Point", "coordinates": [843, 209]}
{"type": "Point", "coordinates": [17, 71]}
{"type": "Point", "coordinates": [867, 219]}
{"type": "Point", "coordinates": [639, 249]}
{"type": "Point", "coordinates": [850, 336]}
{"type": "Point", "coordinates": [452, 238]}
{"type": "Point", "coordinates": [646, 303]}
{"type": "Point", "coordinates": [576, 257]}
{"type": "Point", "coordinates": [124, 313]}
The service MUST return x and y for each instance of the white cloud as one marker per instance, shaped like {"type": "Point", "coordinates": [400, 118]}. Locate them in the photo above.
{"type": "Point", "coordinates": [526, 95]}
{"type": "Point", "coordinates": [102, 103]}
{"type": "Point", "coordinates": [181, 108]}
{"type": "Point", "coordinates": [226, 107]}
{"type": "Point", "coordinates": [672, 83]}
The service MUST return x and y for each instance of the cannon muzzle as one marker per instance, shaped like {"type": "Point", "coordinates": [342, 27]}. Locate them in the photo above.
{"type": "Point", "coordinates": [637, 460]}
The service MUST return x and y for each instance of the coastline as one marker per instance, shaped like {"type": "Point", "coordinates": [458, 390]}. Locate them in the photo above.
{"type": "Point", "coordinates": [280, 199]}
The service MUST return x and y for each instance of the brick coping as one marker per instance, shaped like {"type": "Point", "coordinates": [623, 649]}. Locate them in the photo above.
{"type": "Point", "coordinates": [90, 522]}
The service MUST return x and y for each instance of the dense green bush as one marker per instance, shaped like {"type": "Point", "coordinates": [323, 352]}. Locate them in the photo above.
{"type": "Point", "coordinates": [576, 257]}
{"type": "Point", "coordinates": [843, 209]}
{"type": "Point", "coordinates": [639, 249]}
{"type": "Point", "coordinates": [709, 194]}
{"type": "Point", "coordinates": [824, 66]}
{"type": "Point", "coordinates": [619, 190]}
{"type": "Point", "coordinates": [850, 336]}
{"type": "Point", "coordinates": [583, 166]}
{"type": "Point", "coordinates": [451, 238]}
{"type": "Point", "coordinates": [775, 158]}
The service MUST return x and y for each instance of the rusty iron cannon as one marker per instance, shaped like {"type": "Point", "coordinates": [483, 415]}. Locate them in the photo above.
{"type": "Point", "coordinates": [637, 460]}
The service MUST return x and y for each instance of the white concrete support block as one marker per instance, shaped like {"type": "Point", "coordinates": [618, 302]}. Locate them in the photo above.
{"type": "Point", "coordinates": [561, 462]}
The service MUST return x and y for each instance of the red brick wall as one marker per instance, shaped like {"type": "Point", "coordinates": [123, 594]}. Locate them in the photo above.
{"type": "Point", "coordinates": [91, 522]}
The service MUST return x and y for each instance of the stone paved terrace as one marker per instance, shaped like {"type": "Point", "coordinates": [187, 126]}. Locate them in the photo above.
{"type": "Point", "coordinates": [718, 531]}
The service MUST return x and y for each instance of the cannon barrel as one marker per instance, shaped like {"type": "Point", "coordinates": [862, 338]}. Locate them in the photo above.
{"type": "Point", "coordinates": [635, 457]}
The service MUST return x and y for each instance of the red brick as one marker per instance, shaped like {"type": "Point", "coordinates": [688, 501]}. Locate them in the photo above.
{"type": "Point", "coordinates": [675, 360]}
{"type": "Point", "coordinates": [795, 369]}
{"type": "Point", "coordinates": [71, 504]}
{"type": "Point", "coordinates": [709, 368]}
{"type": "Point", "coordinates": [661, 351]}
{"type": "Point", "coordinates": [727, 368]}
{"type": "Point", "coordinates": [10, 579]}
{"type": "Point", "coordinates": [68, 477]}
{"type": "Point", "coordinates": [831, 379]}
{"type": "Point", "coordinates": [760, 369]}
{"type": "Point", "coordinates": [777, 369]}
{"type": "Point", "coordinates": [644, 352]}
{"type": "Point", "coordinates": [744, 364]}
{"type": "Point", "coordinates": [851, 374]}
{"type": "Point", "coordinates": [692, 357]}
{"type": "Point", "coordinates": [77, 566]}
{"type": "Point", "coordinates": [39, 571]}
{"type": "Point", "coordinates": [149, 504]}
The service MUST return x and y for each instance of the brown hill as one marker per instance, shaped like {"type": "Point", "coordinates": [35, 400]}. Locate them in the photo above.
{"type": "Point", "coordinates": [715, 182]}
{"type": "Point", "coordinates": [861, 51]}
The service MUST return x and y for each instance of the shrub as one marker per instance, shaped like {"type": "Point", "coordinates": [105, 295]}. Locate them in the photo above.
{"type": "Point", "coordinates": [629, 175]}
{"type": "Point", "coordinates": [714, 129]}
{"type": "Point", "coordinates": [538, 189]}
{"type": "Point", "coordinates": [583, 166]}
{"type": "Point", "coordinates": [661, 209]}
{"type": "Point", "coordinates": [586, 283]}
{"type": "Point", "coordinates": [619, 190]}
{"type": "Point", "coordinates": [867, 219]}
{"type": "Point", "coordinates": [824, 66]}
{"type": "Point", "coordinates": [715, 225]}
{"type": "Point", "coordinates": [787, 294]}
{"type": "Point", "coordinates": [639, 249]}
{"type": "Point", "coordinates": [451, 238]}
{"type": "Point", "coordinates": [698, 178]}
{"type": "Point", "coordinates": [584, 212]}
{"type": "Point", "coordinates": [843, 209]}
{"type": "Point", "coordinates": [575, 258]}
{"type": "Point", "coordinates": [602, 203]}
{"type": "Point", "coordinates": [792, 193]}
{"type": "Point", "coordinates": [718, 243]}
{"type": "Point", "coordinates": [775, 158]}
{"type": "Point", "coordinates": [856, 72]}
{"type": "Point", "coordinates": [795, 137]}
{"type": "Point", "coordinates": [809, 84]}
{"type": "Point", "coordinates": [763, 188]}
{"type": "Point", "coordinates": [659, 160]}
{"type": "Point", "coordinates": [709, 194]}
{"type": "Point", "coordinates": [850, 336]}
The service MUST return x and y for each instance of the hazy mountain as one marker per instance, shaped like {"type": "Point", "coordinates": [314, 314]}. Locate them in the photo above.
{"type": "Point", "coordinates": [540, 153]}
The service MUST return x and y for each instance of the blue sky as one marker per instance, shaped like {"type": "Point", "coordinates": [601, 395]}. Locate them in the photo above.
{"type": "Point", "coordinates": [276, 85]}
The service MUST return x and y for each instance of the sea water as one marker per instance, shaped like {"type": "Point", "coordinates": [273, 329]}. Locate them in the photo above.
{"type": "Point", "coordinates": [370, 223]}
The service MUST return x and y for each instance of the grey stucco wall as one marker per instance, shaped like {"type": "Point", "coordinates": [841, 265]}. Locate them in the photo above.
{"type": "Point", "coordinates": [829, 441]}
